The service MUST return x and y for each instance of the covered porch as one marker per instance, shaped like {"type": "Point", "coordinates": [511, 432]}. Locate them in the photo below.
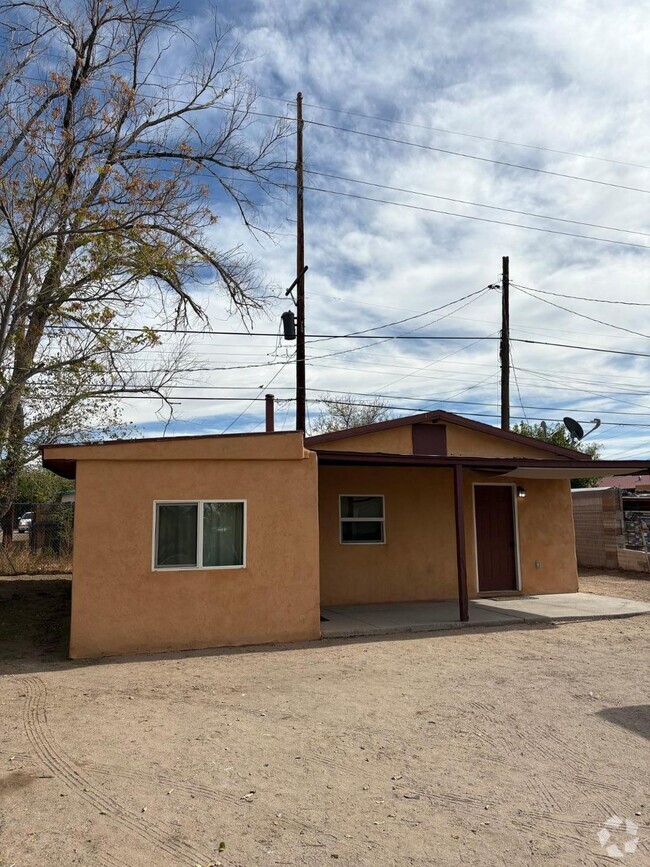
{"type": "Point", "coordinates": [349, 621]}
{"type": "Point", "coordinates": [427, 570]}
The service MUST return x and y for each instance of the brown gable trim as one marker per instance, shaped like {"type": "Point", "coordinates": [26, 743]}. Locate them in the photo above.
{"type": "Point", "coordinates": [439, 415]}
{"type": "Point", "coordinates": [368, 428]}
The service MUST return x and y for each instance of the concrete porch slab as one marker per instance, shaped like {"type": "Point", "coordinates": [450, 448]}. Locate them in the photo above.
{"type": "Point", "coordinates": [565, 606]}
{"type": "Point", "coordinates": [347, 621]}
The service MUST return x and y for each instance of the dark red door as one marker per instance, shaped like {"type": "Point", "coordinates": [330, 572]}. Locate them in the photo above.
{"type": "Point", "coordinates": [495, 538]}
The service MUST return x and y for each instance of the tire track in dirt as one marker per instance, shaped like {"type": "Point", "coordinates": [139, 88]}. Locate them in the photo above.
{"type": "Point", "coordinates": [65, 770]}
{"type": "Point", "coordinates": [544, 792]}
{"type": "Point", "coordinates": [199, 789]}
{"type": "Point", "coordinates": [106, 859]}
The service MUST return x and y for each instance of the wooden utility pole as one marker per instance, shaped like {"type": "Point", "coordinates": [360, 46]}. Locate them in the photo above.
{"type": "Point", "coordinates": [301, 401]}
{"type": "Point", "coordinates": [505, 344]}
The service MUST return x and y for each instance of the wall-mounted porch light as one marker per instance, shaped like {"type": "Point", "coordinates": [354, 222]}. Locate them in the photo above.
{"type": "Point", "coordinates": [521, 492]}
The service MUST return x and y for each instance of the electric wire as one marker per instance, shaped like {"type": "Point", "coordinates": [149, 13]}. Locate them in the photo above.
{"type": "Point", "coordinates": [290, 101]}
{"type": "Point", "coordinates": [583, 298]}
{"type": "Point", "coordinates": [473, 204]}
{"type": "Point", "coordinates": [531, 294]}
{"type": "Point", "coordinates": [449, 152]}
{"type": "Point", "coordinates": [466, 134]}
{"type": "Point", "coordinates": [474, 217]}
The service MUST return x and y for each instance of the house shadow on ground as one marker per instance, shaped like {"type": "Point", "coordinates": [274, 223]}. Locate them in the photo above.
{"type": "Point", "coordinates": [634, 718]}
{"type": "Point", "coordinates": [35, 631]}
{"type": "Point", "coordinates": [34, 619]}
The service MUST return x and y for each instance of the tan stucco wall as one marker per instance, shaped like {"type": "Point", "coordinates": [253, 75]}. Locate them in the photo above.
{"type": "Point", "coordinates": [418, 560]}
{"type": "Point", "coordinates": [465, 442]}
{"type": "Point", "coordinates": [545, 525]}
{"type": "Point", "coordinates": [120, 605]}
{"type": "Point", "coordinates": [397, 441]}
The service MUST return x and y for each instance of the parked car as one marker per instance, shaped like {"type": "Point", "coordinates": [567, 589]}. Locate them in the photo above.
{"type": "Point", "coordinates": [25, 522]}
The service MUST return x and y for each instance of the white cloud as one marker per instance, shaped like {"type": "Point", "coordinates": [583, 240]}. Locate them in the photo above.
{"type": "Point", "coordinates": [571, 76]}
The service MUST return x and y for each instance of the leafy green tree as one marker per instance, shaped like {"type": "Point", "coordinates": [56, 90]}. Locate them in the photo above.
{"type": "Point", "coordinates": [558, 435]}
{"type": "Point", "coordinates": [105, 218]}
{"type": "Point", "coordinates": [38, 485]}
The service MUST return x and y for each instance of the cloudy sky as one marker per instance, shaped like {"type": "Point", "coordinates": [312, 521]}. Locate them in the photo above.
{"type": "Point", "coordinates": [470, 91]}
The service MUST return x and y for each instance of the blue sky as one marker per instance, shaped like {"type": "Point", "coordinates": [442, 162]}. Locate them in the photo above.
{"type": "Point", "coordinates": [570, 77]}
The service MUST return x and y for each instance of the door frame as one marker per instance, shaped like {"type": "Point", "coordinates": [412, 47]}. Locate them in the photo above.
{"type": "Point", "coordinates": [515, 527]}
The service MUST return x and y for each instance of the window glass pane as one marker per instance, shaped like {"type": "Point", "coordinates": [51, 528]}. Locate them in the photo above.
{"type": "Point", "coordinates": [362, 507]}
{"type": "Point", "coordinates": [223, 534]}
{"type": "Point", "coordinates": [176, 534]}
{"type": "Point", "coordinates": [362, 531]}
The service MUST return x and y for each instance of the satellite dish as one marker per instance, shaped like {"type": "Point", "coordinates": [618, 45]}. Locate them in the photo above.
{"type": "Point", "coordinates": [596, 425]}
{"type": "Point", "coordinates": [574, 428]}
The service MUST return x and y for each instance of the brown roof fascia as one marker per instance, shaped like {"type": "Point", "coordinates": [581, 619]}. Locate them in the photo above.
{"type": "Point", "coordinates": [65, 469]}
{"type": "Point", "coordinates": [326, 456]}
{"type": "Point", "coordinates": [439, 415]}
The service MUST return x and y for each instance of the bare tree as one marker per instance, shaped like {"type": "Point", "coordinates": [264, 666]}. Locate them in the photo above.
{"type": "Point", "coordinates": [105, 213]}
{"type": "Point", "coordinates": [348, 411]}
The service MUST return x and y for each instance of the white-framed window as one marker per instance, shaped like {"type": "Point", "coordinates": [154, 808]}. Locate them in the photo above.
{"type": "Point", "coordinates": [361, 519]}
{"type": "Point", "coordinates": [199, 534]}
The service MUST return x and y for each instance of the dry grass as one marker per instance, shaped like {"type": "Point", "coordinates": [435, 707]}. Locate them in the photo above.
{"type": "Point", "coordinates": [20, 560]}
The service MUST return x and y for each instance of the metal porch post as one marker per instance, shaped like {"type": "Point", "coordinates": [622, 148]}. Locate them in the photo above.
{"type": "Point", "coordinates": [459, 510]}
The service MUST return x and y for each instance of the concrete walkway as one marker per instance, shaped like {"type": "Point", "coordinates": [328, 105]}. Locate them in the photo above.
{"type": "Point", "coordinates": [346, 621]}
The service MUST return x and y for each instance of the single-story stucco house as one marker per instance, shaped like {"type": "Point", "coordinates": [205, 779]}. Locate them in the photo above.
{"type": "Point", "coordinates": [193, 542]}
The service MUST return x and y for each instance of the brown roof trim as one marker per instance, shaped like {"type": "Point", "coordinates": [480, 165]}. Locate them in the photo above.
{"type": "Point", "coordinates": [333, 458]}
{"type": "Point", "coordinates": [65, 469]}
{"type": "Point", "coordinates": [130, 441]}
{"type": "Point", "coordinates": [440, 415]}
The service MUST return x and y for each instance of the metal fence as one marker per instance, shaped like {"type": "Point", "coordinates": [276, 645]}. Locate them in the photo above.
{"type": "Point", "coordinates": [637, 530]}
{"type": "Point", "coordinates": [37, 538]}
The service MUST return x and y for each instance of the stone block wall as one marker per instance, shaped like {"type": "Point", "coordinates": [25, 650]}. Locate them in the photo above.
{"type": "Point", "coordinates": [598, 521]}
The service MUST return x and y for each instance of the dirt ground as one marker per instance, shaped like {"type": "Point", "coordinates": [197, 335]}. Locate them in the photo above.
{"type": "Point", "coordinates": [615, 582]}
{"type": "Point", "coordinates": [483, 747]}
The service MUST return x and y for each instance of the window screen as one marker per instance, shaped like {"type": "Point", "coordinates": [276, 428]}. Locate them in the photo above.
{"type": "Point", "coordinates": [202, 534]}
{"type": "Point", "coordinates": [223, 534]}
{"type": "Point", "coordinates": [176, 534]}
{"type": "Point", "coordinates": [362, 519]}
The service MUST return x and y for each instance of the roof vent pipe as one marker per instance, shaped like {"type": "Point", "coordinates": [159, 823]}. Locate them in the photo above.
{"type": "Point", "coordinates": [270, 413]}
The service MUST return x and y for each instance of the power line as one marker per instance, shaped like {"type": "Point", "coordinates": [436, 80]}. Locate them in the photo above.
{"type": "Point", "coordinates": [290, 100]}
{"type": "Point", "coordinates": [370, 337]}
{"type": "Point", "coordinates": [259, 397]}
{"type": "Point", "coordinates": [475, 157]}
{"type": "Point", "coordinates": [583, 298]}
{"type": "Point", "coordinates": [582, 315]}
{"type": "Point", "coordinates": [478, 219]}
{"type": "Point", "coordinates": [474, 204]}
{"type": "Point", "coordinates": [468, 135]}
{"type": "Point", "coordinates": [419, 315]}
{"type": "Point", "coordinates": [574, 346]}
{"type": "Point", "coordinates": [214, 399]}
